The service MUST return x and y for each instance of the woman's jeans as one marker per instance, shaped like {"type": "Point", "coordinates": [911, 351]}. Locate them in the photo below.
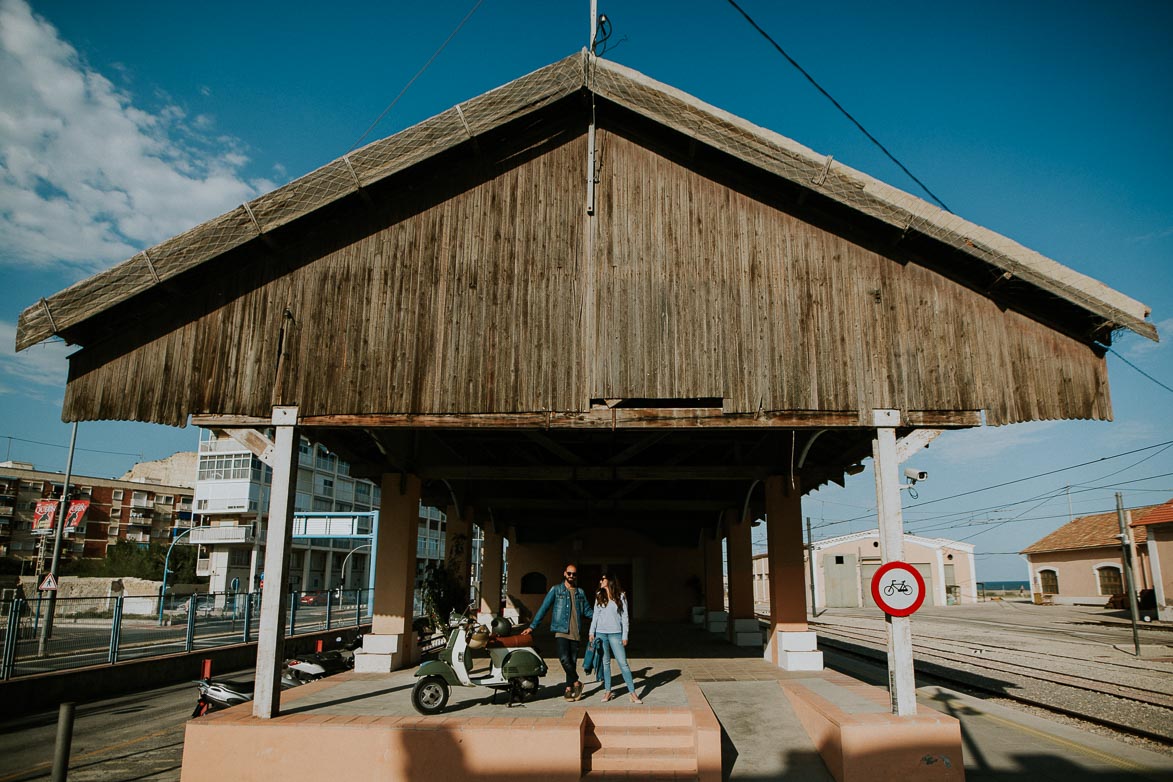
{"type": "Point", "coordinates": [613, 647]}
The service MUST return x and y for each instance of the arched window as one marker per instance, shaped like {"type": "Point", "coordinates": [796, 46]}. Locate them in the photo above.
{"type": "Point", "coordinates": [1110, 581]}
{"type": "Point", "coordinates": [1049, 582]}
{"type": "Point", "coordinates": [533, 584]}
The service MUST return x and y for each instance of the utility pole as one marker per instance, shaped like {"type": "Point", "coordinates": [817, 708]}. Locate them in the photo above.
{"type": "Point", "coordinates": [810, 558]}
{"type": "Point", "coordinates": [1126, 550]}
{"type": "Point", "coordinates": [58, 533]}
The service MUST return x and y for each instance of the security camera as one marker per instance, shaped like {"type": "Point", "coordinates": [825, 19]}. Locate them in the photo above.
{"type": "Point", "coordinates": [914, 475]}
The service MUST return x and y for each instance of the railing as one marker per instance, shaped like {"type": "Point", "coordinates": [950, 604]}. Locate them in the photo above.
{"type": "Point", "coordinates": [86, 631]}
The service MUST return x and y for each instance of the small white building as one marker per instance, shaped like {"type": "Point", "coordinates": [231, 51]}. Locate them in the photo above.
{"type": "Point", "coordinates": [844, 567]}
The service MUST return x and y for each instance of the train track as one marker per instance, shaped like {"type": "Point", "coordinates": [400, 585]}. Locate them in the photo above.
{"type": "Point", "coordinates": [1143, 708]}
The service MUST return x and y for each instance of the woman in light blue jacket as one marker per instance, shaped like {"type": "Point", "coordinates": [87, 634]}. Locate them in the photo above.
{"type": "Point", "coordinates": [609, 623]}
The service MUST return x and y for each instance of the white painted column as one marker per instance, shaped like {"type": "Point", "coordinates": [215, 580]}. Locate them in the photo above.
{"type": "Point", "coordinates": [1156, 537]}
{"type": "Point", "coordinates": [901, 678]}
{"type": "Point", "coordinates": [279, 541]}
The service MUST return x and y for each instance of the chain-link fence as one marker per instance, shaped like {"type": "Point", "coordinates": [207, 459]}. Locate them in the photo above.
{"type": "Point", "coordinates": [51, 634]}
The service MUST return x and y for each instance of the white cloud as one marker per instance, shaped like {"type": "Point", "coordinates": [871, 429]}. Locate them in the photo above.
{"type": "Point", "coordinates": [1138, 347]}
{"type": "Point", "coordinates": [86, 176]}
{"type": "Point", "coordinates": [986, 442]}
{"type": "Point", "coordinates": [38, 372]}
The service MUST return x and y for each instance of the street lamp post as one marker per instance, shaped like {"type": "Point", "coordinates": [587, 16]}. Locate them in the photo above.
{"type": "Point", "coordinates": [166, 563]}
{"type": "Point", "coordinates": [342, 582]}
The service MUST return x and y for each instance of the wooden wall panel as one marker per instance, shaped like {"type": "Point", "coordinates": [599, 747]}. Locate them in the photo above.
{"type": "Point", "coordinates": [705, 291]}
{"type": "Point", "coordinates": [483, 301]}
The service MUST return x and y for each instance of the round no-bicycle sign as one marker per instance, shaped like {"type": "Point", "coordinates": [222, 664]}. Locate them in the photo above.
{"type": "Point", "coordinates": [898, 588]}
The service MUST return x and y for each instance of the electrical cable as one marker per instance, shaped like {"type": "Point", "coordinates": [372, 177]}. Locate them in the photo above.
{"type": "Point", "coordinates": [419, 73]}
{"type": "Point", "coordinates": [837, 105]}
{"type": "Point", "coordinates": [1138, 369]}
{"type": "Point", "coordinates": [55, 445]}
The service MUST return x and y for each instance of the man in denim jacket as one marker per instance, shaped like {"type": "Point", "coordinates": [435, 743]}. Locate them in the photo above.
{"type": "Point", "coordinates": [571, 610]}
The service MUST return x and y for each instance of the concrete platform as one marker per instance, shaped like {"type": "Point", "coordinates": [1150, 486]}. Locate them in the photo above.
{"type": "Point", "coordinates": [693, 685]}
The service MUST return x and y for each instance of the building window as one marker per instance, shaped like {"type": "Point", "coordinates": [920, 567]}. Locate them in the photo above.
{"type": "Point", "coordinates": [1049, 582]}
{"type": "Point", "coordinates": [1110, 581]}
{"type": "Point", "coordinates": [838, 559]}
{"type": "Point", "coordinates": [117, 495]}
{"type": "Point", "coordinates": [165, 499]}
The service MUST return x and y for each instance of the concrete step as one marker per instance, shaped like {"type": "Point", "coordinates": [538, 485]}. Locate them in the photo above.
{"type": "Point", "coordinates": [646, 760]}
{"type": "Point", "coordinates": [609, 716]}
{"type": "Point", "coordinates": [676, 736]}
{"type": "Point", "coordinates": [652, 776]}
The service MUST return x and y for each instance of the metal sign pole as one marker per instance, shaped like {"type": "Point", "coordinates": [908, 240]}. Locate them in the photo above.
{"type": "Point", "coordinates": [901, 677]}
{"type": "Point", "coordinates": [58, 532]}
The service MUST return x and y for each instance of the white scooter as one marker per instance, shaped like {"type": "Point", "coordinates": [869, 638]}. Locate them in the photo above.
{"type": "Point", "coordinates": [514, 665]}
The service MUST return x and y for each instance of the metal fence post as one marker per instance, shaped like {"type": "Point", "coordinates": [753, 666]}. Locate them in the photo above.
{"type": "Point", "coordinates": [292, 614]}
{"type": "Point", "coordinates": [357, 607]}
{"type": "Point", "coordinates": [248, 616]}
{"type": "Point", "coordinates": [189, 642]}
{"type": "Point", "coordinates": [11, 638]}
{"type": "Point", "coordinates": [116, 629]}
{"type": "Point", "coordinates": [329, 605]}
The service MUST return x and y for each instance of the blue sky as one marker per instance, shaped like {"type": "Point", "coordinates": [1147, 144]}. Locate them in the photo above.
{"type": "Point", "coordinates": [124, 123]}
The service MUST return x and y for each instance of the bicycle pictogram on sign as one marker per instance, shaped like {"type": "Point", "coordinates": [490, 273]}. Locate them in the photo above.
{"type": "Point", "coordinates": [898, 588]}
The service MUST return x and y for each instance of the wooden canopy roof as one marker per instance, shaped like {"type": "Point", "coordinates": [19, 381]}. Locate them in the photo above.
{"type": "Point", "coordinates": [714, 303]}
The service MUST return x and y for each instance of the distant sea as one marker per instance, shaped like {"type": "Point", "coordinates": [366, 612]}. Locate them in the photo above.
{"type": "Point", "coordinates": [1005, 585]}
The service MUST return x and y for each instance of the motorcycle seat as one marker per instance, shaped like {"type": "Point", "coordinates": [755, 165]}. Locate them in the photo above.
{"type": "Point", "coordinates": [241, 687]}
{"type": "Point", "coordinates": [507, 641]}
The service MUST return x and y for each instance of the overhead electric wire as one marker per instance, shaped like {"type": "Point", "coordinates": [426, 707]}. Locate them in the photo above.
{"type": "Point", "coordinates": [837, 105]}
{"type": "Point", "coordinates": [419, 73]}
{"type": "Point", "coordinates": [55, 445]}
{"type": "Point", "coordinates": [1138, 369]}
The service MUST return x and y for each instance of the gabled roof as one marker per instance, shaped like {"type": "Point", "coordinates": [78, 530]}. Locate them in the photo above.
{"type": "Point", "coordinates": [908, 538]}
{"type": "Point", "coordinates": [765, 149]}
{"type": "Point", "coordinates": [1161, 514]}
{"type": "Point", "coordinates": [1096, 531]}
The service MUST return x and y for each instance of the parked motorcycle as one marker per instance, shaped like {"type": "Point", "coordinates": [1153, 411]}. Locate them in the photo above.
{"type": "Point", "coordinates": [315, 665]}
{"type": "Point", "coordinates": [514, 665]}
{"type": "Point", "coordinates": [216, 694]}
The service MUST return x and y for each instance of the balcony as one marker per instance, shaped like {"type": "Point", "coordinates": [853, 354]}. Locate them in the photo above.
{"type": "Point", "coordinates": [204, 567]}
{"type": "Point", "coordinates": [138, 520]}
{"type": "Point", "coordinates": [222, 446]}
{"type": "Point", "coordinates": [208, 536]}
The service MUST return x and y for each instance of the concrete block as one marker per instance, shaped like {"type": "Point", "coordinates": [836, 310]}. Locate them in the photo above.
{"type": "Point", "coordinates": [800, 661]}
{"type": "Point", "coordinates": [366, 662]}
{"type": "Point", "coordinates": [748, 639]}
{"type": "Point", "coordinates": [798, 642]}
{"type": "Point", "coordinates": [698, 615]}
{"type": "Point", "coordinates": [717, 627]}
{"type": "Point", "coordinates": [747, 626]}
{"type": "Point", "coordinates": [717, 622]}
{"type": "Point", "coordinates": [379, 644]}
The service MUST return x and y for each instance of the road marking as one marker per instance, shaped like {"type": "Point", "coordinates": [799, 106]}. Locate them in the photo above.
{"type": "Point", "coordinates": [83, 756]}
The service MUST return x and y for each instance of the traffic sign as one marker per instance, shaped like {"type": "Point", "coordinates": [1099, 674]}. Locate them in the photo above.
{"type": "Point", "coordinates": [898, 588]}
{"type": "Point", "coordinates": [48, 584]}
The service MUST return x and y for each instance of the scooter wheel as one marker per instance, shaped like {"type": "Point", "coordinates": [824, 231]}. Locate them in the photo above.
{"type": "Point", "coordinates": [430, 695]}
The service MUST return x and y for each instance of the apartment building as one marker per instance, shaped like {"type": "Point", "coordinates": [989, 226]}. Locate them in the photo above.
{"type": "Point", "coordinates": [232, 500]}
{"type": "Point", "coordinates": [115, 510]}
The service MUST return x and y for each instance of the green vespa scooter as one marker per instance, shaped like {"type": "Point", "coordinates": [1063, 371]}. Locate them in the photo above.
{"type": "Point", "coordinates": [514, 665]}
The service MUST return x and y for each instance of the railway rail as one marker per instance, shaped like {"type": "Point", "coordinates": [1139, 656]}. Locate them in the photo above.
{"type": "Point", "coordinates": [1095, 692]}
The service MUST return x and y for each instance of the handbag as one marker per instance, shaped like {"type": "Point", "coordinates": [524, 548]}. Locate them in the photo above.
{"type": "Point", "coordinates": [593, 656]}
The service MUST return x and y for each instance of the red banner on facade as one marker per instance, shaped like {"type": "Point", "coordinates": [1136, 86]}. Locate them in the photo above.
{"type": "Point", "coordinates": [45, 516]}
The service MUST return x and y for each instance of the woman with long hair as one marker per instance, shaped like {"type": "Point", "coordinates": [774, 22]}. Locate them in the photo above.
{"type": "Point", "coordinates": [610, 623]}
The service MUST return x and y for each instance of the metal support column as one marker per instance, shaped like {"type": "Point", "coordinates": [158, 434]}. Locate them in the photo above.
{"type": "Point", "coordinates": [116, 630]}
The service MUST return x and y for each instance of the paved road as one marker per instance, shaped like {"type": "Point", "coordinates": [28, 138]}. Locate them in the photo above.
{"type": "Point", "coordinates": [135, 737]}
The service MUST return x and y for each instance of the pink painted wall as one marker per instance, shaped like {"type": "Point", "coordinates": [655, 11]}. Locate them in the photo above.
{"type": "Point", "coordinates": [1078, 580]}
